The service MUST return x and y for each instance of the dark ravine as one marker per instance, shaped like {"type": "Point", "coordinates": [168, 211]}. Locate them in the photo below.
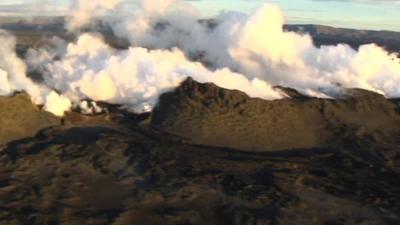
{"type": "Point", "coordinates": [206, 156]}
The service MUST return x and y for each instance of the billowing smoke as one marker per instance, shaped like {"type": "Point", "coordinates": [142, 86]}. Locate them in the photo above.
{"type": "Point", "coordinates": [290, 59]}
{"type": "Point", "coordinates": [258, 47]}
{"type": "Point", "coordinates": [13, 69]}
{"type": "Point", "coordinates": [168, 43]}
{"type": "Point", "coordinates": [13, 79]}
{"type": "Point", "coordinates": [83, 11]}
{"type": "Point", "coordinates": [134, 77]}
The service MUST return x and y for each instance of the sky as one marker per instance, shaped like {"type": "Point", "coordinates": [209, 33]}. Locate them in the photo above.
{"type": "Point", "coordinates": [359, 14]}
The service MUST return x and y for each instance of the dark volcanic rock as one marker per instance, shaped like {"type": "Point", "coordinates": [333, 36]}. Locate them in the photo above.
{"type": "Point", "coordinates": [111, 169]}
{"type": "Point", "coordinates": [210, 115]}
{"type": "Point", "coordinates": [19, 118]}
{"type": "Point", "coordinates": [319, 162]}
{"type": "Point", "coordinates": [109, 175]}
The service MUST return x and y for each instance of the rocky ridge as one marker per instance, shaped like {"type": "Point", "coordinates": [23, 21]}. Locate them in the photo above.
{"type": "Point", "coordinates": [316, 161]}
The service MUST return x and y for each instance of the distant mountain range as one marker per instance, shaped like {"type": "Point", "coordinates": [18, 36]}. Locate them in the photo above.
{"type": "Point", "coordinates": [29, 30]}
{"type": "Point", "coordinates": [326, 35]}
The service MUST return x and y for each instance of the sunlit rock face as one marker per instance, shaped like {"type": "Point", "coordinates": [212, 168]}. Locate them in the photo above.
{"type": "Point", "coordinates": [102, 170]}
{"type": "Point", "coordinates": [208, 151]}
{"type": "Point", "coordinates": [208, 115]}
{"type": "Point", "coordinates": [19, 118]}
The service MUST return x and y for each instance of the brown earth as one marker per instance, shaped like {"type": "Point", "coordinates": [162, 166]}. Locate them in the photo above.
{"type": "Point", "coordinates": [19, 118]}
{"type": "Point", "coordinates": [114, 175]}
{"type": "Point", "coordinates": [209, 115]}
{"type": "Point", "coordinates": [340, 168]}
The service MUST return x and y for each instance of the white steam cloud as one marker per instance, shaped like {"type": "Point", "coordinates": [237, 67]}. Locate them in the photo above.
{"type": "Point", "coordinates": [168, 43]}
{"type": "Point", "coordinates": [83, 11]}
{"type": "Point", "coordinates": [13, 79]}
{"type": "Point", "coordinates": [258, 47]}
{"type": "Point", "coordinates": [134, 77]}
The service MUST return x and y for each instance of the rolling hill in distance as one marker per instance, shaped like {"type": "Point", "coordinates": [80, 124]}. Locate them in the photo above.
{"type": "Point", "coordinates": [31, 32]}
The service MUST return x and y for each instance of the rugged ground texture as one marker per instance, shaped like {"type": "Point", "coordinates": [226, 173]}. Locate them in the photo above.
{"type": "Point", "coordinates": [208, 115]}
{"type": "Point", "coordinates": [114, 175]}
{"type": "Point", "coordinates": [320, 162]}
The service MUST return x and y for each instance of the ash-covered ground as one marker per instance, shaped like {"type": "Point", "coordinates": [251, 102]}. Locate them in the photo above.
{"type": "Point", "coordinates": [205, 155]}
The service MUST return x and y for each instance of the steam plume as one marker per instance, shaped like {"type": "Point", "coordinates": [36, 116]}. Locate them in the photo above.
{"type": "Point", "coordinates": [83, 11]}
{"type": "Point", "coordinates": [258, 47]}
{"type": "Point", "coordinates": [135, 77]}
{"type": "Point", "coordinates": [13, 79]}
{"type": "Point", "coordinates": [168, 43]}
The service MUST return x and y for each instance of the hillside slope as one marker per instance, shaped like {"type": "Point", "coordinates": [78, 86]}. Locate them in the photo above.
{"type": "Point", "coordinates": [19, 118]}
{"type": "Point", "coordinates": [328, 162]}
{"type": "Point", "coordinates": [210, 115]}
